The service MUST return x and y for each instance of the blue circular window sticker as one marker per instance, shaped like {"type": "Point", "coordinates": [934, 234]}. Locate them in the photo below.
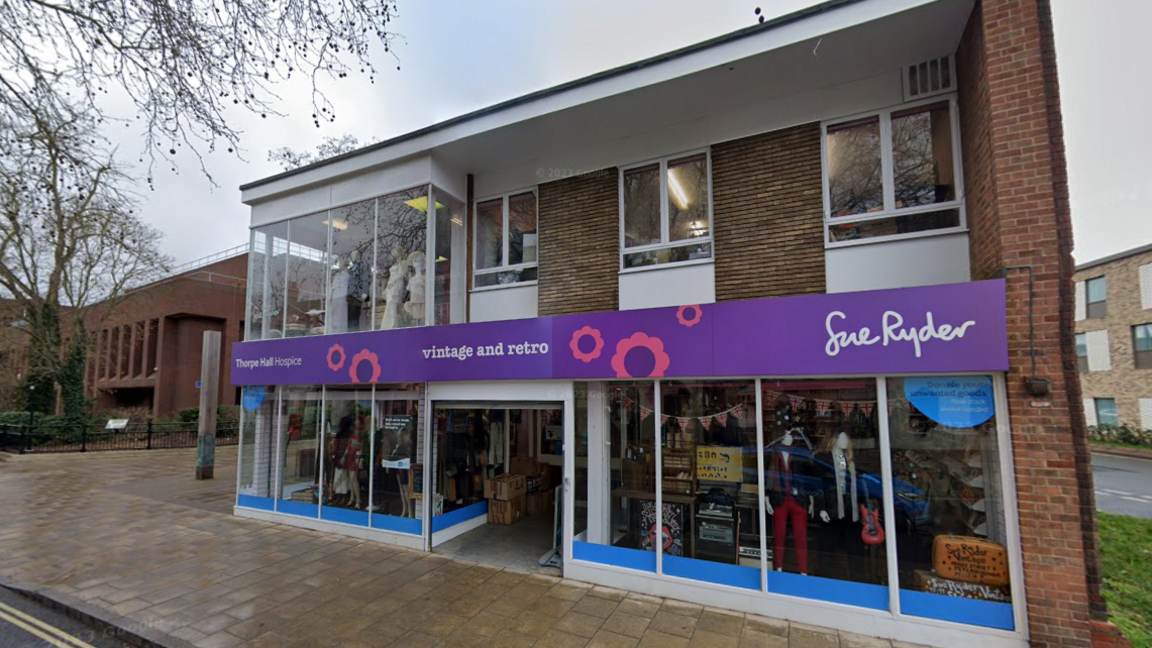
{"type": "Point", "coordinates": [253, 397]}
{"type": "Point", "coordinates": [953, 401]}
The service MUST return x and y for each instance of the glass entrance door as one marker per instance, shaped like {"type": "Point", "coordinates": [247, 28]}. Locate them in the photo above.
{"type": "Point", "coordinates": [494, 463]}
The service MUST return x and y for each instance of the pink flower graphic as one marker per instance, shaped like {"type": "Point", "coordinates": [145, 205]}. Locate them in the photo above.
{"type": "Point", "coordinates": [365, 356]}
{"type": "Point", "coordinates": [332, 364]}
{"type": "Point", "coordinates": [590, 332]}
{"type": "Point", "coordinates": [695, 319]}
{"type": "Point", "coordinates": [640, 340]}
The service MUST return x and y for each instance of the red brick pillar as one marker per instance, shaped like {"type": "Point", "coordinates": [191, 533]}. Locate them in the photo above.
{"type": "Point", "coordinates": [1020, 226]}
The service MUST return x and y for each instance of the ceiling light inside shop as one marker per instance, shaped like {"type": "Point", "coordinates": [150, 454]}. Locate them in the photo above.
{"type": "Point", "coordinates": [337, 223]}
{"type": "Point", "coordinates": [678, 195]}
{"type": "Point", "coordinates": [421, 204]}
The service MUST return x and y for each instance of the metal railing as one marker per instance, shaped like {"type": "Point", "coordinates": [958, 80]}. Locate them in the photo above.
{"type": "Point", "coordinates": [209, 260]}
{"type": "Point", "coordinates": [80, 437]}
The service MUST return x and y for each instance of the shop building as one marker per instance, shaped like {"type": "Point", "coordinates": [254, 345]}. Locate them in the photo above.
{"type": "Point", "coordinates": [788, 313]}
{"type": "Point", "coordinates": [1114, 338]}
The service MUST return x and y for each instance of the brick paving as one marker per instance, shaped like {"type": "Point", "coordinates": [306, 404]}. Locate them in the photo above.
{"type": "Point", "coordinates": [132, 538]}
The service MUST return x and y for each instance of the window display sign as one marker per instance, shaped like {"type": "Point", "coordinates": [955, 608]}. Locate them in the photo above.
{"type": "Point", "coordinates": [253, 397]}
{"type": "Point", "coordinates": [954, 401]}
{"type": "Point", "coordinates": [719, 463]}
{"type": "Point", "coordinates": [400, 431]}
{"type": "Point", "coordinates": [934, 329]}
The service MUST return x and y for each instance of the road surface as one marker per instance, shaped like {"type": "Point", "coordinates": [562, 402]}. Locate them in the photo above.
{"type": "Point", "coordinates": [1123, 485]}
{"type": "Point", "coordinates": [25, 624]}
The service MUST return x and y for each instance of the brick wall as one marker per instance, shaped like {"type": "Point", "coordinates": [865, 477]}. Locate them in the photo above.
{"type": "Point", "coordinates": [1123, 381]}
{"type": "Point", "coordinates": [1014, 168]}
{"type": "Point", "coordinates": [768, 214]}
{"type": "Point", "coordinates": [579, 223]}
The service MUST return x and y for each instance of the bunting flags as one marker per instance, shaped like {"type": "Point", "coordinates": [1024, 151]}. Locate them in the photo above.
{"type": "Point", "coordinates": [741, 412]}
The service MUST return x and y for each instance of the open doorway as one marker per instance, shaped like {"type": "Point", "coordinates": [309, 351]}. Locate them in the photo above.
{"type": "Point", "coordinates": [497, 468]}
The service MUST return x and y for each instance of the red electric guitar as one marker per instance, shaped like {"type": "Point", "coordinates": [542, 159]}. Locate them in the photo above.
{"type": "Point", "coordinates": [872, 532]}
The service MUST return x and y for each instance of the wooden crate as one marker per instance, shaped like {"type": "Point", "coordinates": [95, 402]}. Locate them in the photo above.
{"type": "Point", "coordinates": [681, 486]}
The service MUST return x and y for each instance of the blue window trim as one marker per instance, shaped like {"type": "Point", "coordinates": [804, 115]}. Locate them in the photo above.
{"type": "Point", "coordinates": [344, 516]}
{"type": "Point", "coordinates": [298, 508]}
{"type": "Point", "coordinates": [459, 516]}
{"type": "Point", "coordinates": [257, 503]}
{"type": "Point", "coordinates": [863, 595]}
{"type": "Point", "coordinates": [713, 572]}
{"type": "Point", "coordinates": [644, 561]}
{"type": "Point", "coordinates": [987, 614]}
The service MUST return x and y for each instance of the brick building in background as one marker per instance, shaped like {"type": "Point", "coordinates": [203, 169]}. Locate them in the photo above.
{"type": "Point", "coordinates": [772, 117]}
{"type": "Point", "coordinates": [147, 350]}
{"type": "Point", "coordinates": [1114, 338]}
{"type": "Point", "coordinates": [147, 345]}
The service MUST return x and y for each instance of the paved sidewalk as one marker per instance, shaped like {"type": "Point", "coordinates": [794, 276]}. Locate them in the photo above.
{"type": "Point", "coordinates": [131, 537]}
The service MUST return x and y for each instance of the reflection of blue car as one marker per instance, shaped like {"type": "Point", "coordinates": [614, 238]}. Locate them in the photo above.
{"type": "Point", "coordinates": [911, 502]}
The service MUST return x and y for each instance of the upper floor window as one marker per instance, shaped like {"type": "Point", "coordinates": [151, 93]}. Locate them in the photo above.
{"type": "Point", "coordinates": [893, 174]}
{"type": "Point", "coordinates": [666, 211]}
{"type": "Point", "coordinates": [1142, 345]}
{"type": "Point", "coordinates": [1096, 291]}
{"type": "Point", "coordinates": [1082, 352]}
{"type": "Point", "coordinates": [505, 241]}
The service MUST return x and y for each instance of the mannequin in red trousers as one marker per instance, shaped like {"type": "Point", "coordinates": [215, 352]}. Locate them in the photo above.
{"type": "Point", "coordinates": [788, 501]}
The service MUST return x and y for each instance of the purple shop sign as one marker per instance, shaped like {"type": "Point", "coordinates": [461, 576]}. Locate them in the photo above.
{"type": "Point", "coordinates": [511, 350]}
{"type": "Point", "coordinates": [949, 328]}
{"type": "Point", "coordinates": [930, 329]}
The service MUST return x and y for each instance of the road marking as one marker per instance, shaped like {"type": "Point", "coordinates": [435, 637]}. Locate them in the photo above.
{"type": "Point", "coordinates": [14, 616]}
{"type": "Point", "coordinates": [1099, 493]}
{"type": "Point", "coordinates": [1133, 499]}
{"type": "Point", "coordinates": [1116, 492]}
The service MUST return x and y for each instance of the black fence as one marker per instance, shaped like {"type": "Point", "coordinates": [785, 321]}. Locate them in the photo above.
{"type": "Point", "coordinates": [91, 437]}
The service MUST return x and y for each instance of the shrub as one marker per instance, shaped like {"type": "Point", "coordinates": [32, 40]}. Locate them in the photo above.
{"type": "Point", "coordinates": [1120, 434]}
{"type": "Point", "coordinates": [189, 415]}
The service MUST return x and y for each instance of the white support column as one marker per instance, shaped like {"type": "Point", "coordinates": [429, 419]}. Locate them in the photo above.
{"type": "Point", "coordinates": [569, 493]}
{"type": "Point", "coordinates": [886, 497]}
{"type": "Point", "coordinates": [659, 522]}
{"type": "Point", "coordinates": [599, 467]}
{"type": "Point", "coordinates": [763, 513]}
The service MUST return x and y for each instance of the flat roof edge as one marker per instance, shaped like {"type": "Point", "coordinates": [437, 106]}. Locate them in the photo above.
{"type": "Point", "coordinates": [722, 39]}
{"type": "Point", "coordinates": [1114, 257]}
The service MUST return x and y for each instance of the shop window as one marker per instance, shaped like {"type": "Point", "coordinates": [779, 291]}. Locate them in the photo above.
{"type": "Point", "coordinates": [395, 469]}
{"type": "Point", "coordinates": [1106, 414]}
{"type": "Point", "coordinates": [307, 269]}
{"type": "Point", "coordinates": [347, 428]}
{"type": "Point", "coordinates": [267, 275]}
{"type": "Point", "coordinates": [1097, 297]}
{"type": "Point", "coordinates": [449, 265]}
{"type": "Point", "coordinates": [298, 441]}
{"type": "Point", "coordinates": [353, 257]}
{"type": "Point", "coordinates": [622, 531]}
{"type": "Point", "coordinates": [951, 530]}
{"type": "Point", "coordinates": [824, 491]}
{"type": "Point", "coordinates": [257, 447]}
{"type": "Point", "coordinates": [506, 242]}
{"type": "Point", "coordinates": [462, 439]}
{"type": "Point", "coordinates": [709, 480]}
{"type": "Point", "coordinates": [893, 174]}
{"type": "Point", "coordinates": [1082, 352]}
{"type": "Point", "coordinates": [666, 211]}
{"type": "Point", "coordinates": [401, 266]}
{"type": "Point", "coordinates": [1142, 345]}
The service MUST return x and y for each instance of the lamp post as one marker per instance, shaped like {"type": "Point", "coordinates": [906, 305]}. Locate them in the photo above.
{"type": "Point", "coordinates": [31, 411]}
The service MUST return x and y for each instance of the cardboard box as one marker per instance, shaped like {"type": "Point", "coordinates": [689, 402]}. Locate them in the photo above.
{"type": "Point", "coordinates": [505, 487]}
{"type": "Point", "coordinates": [506, 512]}
{"type": "Point", "coordinates": [524, 466]}
{"type": "Point", "coordinates": [540, 502]}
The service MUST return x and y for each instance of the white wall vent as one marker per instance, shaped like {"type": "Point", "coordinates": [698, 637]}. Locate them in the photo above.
{"type": "Point", "coordinates": [929, 78]}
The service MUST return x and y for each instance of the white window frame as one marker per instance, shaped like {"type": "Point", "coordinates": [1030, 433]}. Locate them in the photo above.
{"type": "Point", "coordinates": [665, 243]}
{"type": "Point", "coordinates": [887, 165]}
{"type": "Point", "coordinates": [504, 265]}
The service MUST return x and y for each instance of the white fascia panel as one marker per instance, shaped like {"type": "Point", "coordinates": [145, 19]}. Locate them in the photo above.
{"type": "Point", "coordinates": [799, 31]}
{"type": "Point", "coordinates": [1146, 413]}
{"type": "Point", "coordinates": [1146, 286]}
{"type": "Point", "coordinates": [1089, 412]}
{"type": "Point", "coordinates": [1081, 302]}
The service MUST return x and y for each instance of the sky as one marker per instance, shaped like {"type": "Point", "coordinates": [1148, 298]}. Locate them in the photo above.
{"type": "Point", "coordinates": [457, 56]}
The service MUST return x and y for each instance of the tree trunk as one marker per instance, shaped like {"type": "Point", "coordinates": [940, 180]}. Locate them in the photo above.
{"type": "Point", "coordinates": [71, 376]}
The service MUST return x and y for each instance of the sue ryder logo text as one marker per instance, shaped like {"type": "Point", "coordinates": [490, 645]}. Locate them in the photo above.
{"type": "Point", "coordinates": [891, 330]}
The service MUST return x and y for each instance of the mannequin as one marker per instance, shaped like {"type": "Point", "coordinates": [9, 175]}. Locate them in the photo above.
{"type": "Point", "coordinates": [394, 291]}
{"type": "Point", "coordinates": [337, 314]}
{"type": "Point", "coordinates": [844, 502]}
{"type": "Point", "coordinates": [414, 307]}
{"type": "Point", "coordinates": [357, 292]}
{"type": "Point", "coordinates": [786, 496]}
